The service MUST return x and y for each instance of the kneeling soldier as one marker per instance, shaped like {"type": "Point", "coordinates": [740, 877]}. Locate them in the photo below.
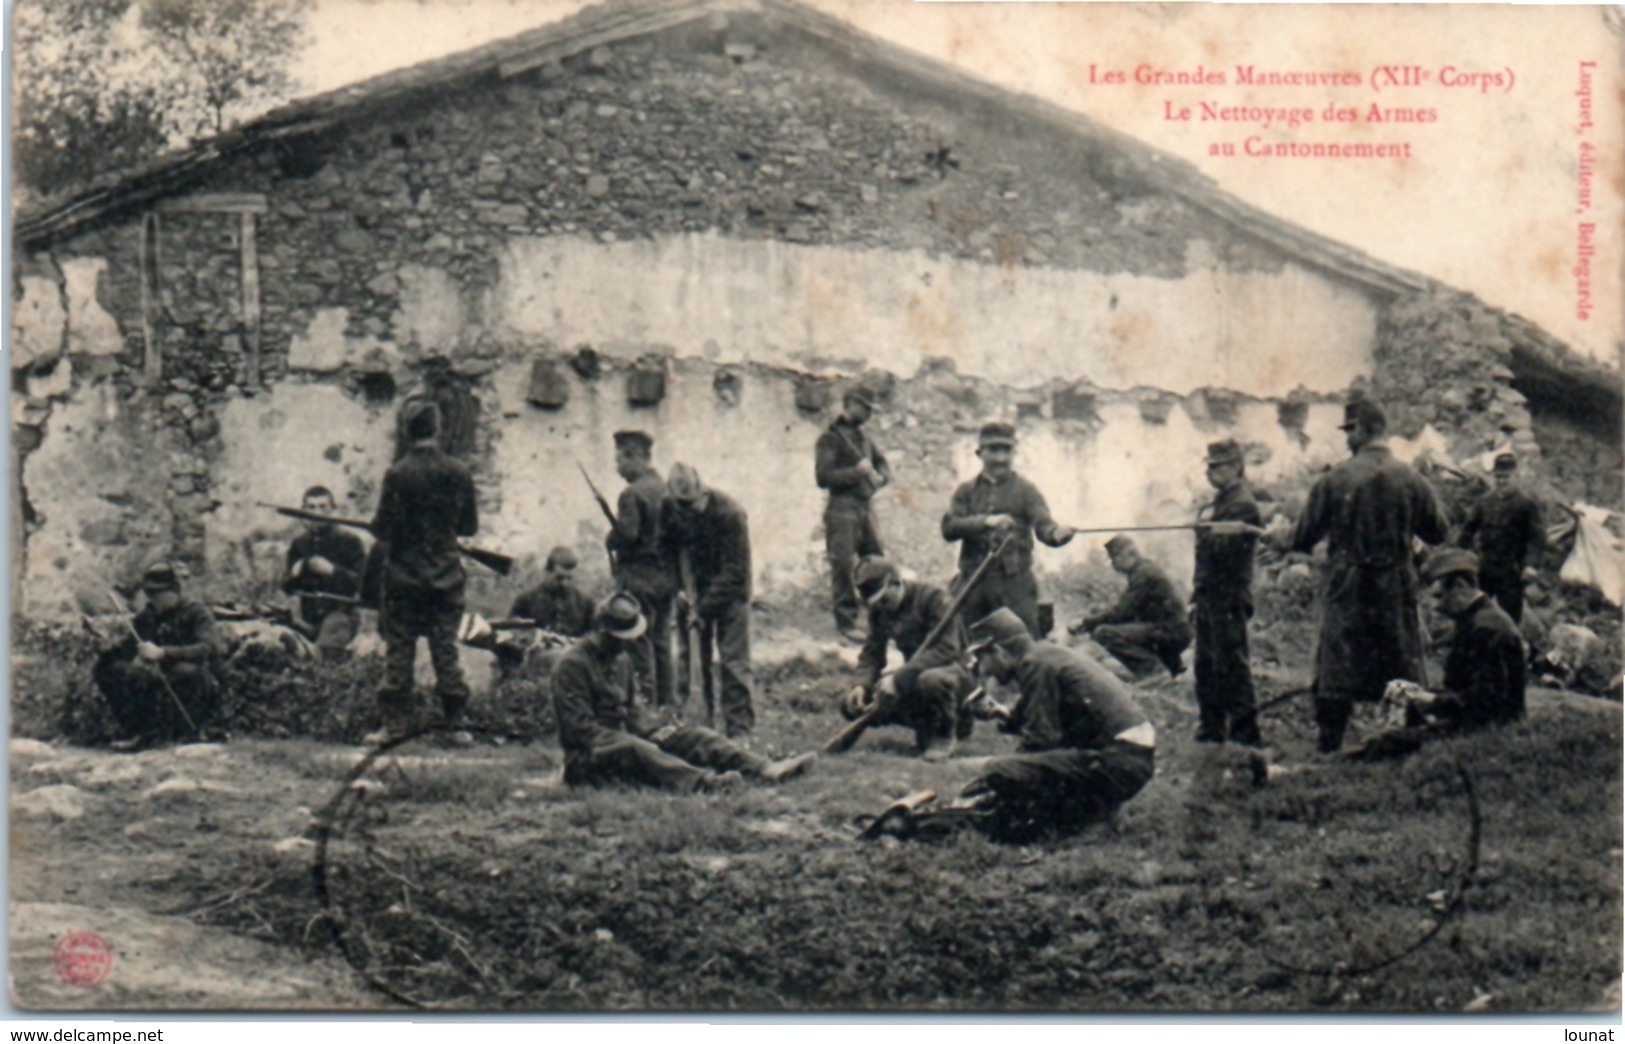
{"type": "Point", "coordinates": [162, 684]}
{"type": "Point", "coordinates": [1484, 673]}
{"type": "Point", "coordinates": [925, 692]}
{"type": "Point", "coordinates": [1086, 747]}
{"type": "Point", "coordinates": [607, 740]}
{"type": "Point", "coordinates": [1149, 626]}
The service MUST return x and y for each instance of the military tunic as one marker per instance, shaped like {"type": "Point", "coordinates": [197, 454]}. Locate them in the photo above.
{"type": "Point", "coordinates": [1503, 528]}
{"type": "Point", "coordinates": [1368, 510]}
{"type": "Point", "coordinates": [931, 682]}
{"type": "Point", "coordinates": [1223, 599]}
{"type": "Point", "coordinates": [642, 570]}
{"type": "Point", "coordinates": [332, 623]}
{"type": "Point", "coordinates": [850, 531]}
{"type": "Point", "coordinates": [135, 689]}
{"type": "Point", "coordinates": [1009, 583]}
{"type": "Point", "coordinates": [1148, 626]}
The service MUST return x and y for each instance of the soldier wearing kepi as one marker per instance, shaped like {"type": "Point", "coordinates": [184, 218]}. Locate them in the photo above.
{"type": "Point", "coordinates": [712, 530]}
{"type": "Point", "coordinates": [427, 502]}
{"type": "Point", "coordinates": [640, 567]}
{"type": "Point", "coordinates": [852, 468]}
{"type": "Point", "coordinates": [995, 504]}
{"type": "Point", "coordinates": [1222, 602]}
{"type": "Point", "coordinates": [1484, 673]}
{"type": "Point", "coordinates": [162, 683]}
{"type": "Point", "coordinates": [1086, 747]}
{"type": "Point", "coordinates": [1369, 510]}
{"type": "Point", "coordinates": [925, 693]}
{"type": "Point", "coordinates": [1504, 528]}
{"type": "Point", "coordinates": [607, 738]}
{"type": "Point", "coordinates": [324, 567]}
{"type": "Point", "coordinates": [1149, 627]}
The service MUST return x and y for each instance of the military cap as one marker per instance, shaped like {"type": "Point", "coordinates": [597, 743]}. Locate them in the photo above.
{"type": "Point", "coordinates": [160, 577]}
{"type": "Point", "coordinates": [1118, 544]}
{"type": "Point", "coordinates": [684, 483]}
{"type": "Point", "coordinates": [620, 616]}
{"type": "Point", "coordinates": [1506, 462]}
{"type": "Point", "coordinates": [1450, 562]}
{"type": "Point", "coordinates": [872, 575]}
{"type": "Point", "coordinates": [997, 433]}
{"type": "Point", "coordinates": [562, 557]}
{"type": "Point", "coordinates": [422, 419]}
{"type": "Point", "coordinates": [1364, 412]}
{"type": "Point", "coordinates": [995, 628]}
{"type": "Point", "coordinates": [858, 393]}
{"type": "Point", "coordinates": [639, 439]}
{"type": "Point", "coordinates": [1227, 451]}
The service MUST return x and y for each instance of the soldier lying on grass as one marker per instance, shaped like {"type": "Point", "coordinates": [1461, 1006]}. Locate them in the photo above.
{"type": "Point", "coordinates": [605, 734]}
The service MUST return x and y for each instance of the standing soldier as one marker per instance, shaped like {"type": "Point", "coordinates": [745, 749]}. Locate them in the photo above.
{"type": "Point", "coordinates": [852, 468]}
{"type": "Point", "coordinates": [328, 561]}
{"type": "Point", "coordinates": [995, 504]}
{"type": "Point", "coordinates": [640, 568]}
{"type": "Point", "coordinates": [1369, 510]}
{"type": "Point", "coordinates": [162, 683]}
{"type": "Point", "coordinates": [426, 504]}
{"type": "Point", "coordinates": [710, 529]}
{"type": "Point", "coordinates": [1222, 600]}
{"type": "Point", "coordinates": [1149, 626]}
{"type": "Point", "coordinates": [1504, 528]}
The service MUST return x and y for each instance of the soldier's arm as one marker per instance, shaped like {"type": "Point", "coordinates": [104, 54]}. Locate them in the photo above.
{"type": "Point", "coordinates": [572, 703]}
{"type": "Point", "coordinates": [1535, 535]}
{"type": "Point", "coordinates": [872, 659]}
{"type": "Point", "coordinates": [349, 561]}
{"type": "Point", "coordinates": [1045, 527]}
{"type": "Point", "coordinates": [205, 638]}
{"type": "Point", "coordinates": [468, 514]}
{"type": "Point", "coordinates": [628, 525]}
{"type": "Point", "coordinates": [960, 522]}
{"type": "Point", "coordinates": [878, 459]}
{"type": "Point", "coordinates": [1311, 527]}
{"type": "Point", "coordinates": [732, 578]}
{"type": "Point", "coordinates": [291, 573]}
{"type": "Point", "coordinates": [1036, 716]}
{"type": "Point", "coordinates": [946, 648]}
{"type": "Point", "coordinates": [386, 521]}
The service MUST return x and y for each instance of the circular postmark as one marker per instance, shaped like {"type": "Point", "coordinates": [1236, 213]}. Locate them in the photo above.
{"type": "Point", "coordinates": [83, 959]}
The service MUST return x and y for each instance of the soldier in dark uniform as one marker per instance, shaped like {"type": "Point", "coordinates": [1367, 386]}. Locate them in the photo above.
{"type": "Point", "coordinates": [852, 468]}
{"type": "Point", "coordinates": [1085, 746]}
{"type": "Point", "coordinates": [711, 529]}
{"type": "Point", "coordinates": [1222, 600]}
{"type": "Point", "coordinates": [1504, 528]}
{"type": "Point", "coordinates": [427, 502]}
{"type": "Point", "coordinates": [556, 604]}
{"type": "Point", "coordinates": [640, 567]}
{"type": "Point", "coordinates": [1484, 673]}
{"type": "Point", "coordinates": [925, 693]}
{"type": "Point", "coordinates": [607, 737]}
{"type": "Point", "coordinates": [325, 560]}
{"type": "Point", "coordinates": [1369, 509]}
{"type": "Point", "coordinates": [995, 504]}
{"type": "Point", "coordinates": [1149, 626]}
{"type": "Point", "coordinates": [162, 683]}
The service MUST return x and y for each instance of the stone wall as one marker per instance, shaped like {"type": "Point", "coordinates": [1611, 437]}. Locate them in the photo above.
{"type": "Point", "coordinates": [746, 220]}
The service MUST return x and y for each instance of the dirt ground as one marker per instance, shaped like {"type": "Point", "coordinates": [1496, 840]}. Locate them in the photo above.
{"type": "Point", "coordinates": [474, 879]}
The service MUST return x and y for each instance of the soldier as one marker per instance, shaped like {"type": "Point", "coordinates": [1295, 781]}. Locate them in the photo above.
{"type": "Point", "coordinates": [556, 604]}
{"type": "Point", "coordinates": [711, 531]}
{"type": "Point", "coordinates": [607, 739]}
{"type": "Point", "coordinates": [852, 468]}
{"type": "Point", "coordinates": [1504, 528]}
{"type": "Point", "coordinates": [926, 691]}
{"type": "Point", "coordinates": [1484, 674]}
{"type": "Point", "coordinates": [427, 502]}
{"type": "Point", "coordinates": [1222, 603]}
{"type": "Point", "coordinates": [1085, 746]}
{"type": "Point", "coordinates": [1369, 509]}
{"type": "Point", "coordinates": [325, 560]}
{"type": "Point", "coordinates": [162, 683]}
{"type": "Point", "coordinates": [1148, 627]}
{"type": "Point", "coordinates": [640, 568]}
{"type": "Point", "coordinates": [995, 504]}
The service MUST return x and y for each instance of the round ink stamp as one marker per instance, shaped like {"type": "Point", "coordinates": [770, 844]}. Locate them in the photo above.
{"type": "Point", "coordinates": [83, 959]}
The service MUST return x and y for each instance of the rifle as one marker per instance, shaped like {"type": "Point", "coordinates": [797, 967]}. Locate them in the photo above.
{"type": "Point", "coordinates": [163, 681]}
{"type": "Point", "coordinates": [863, 458]}
{"type": "Point", "coordinates": [1235, 527]}
{"type": "Point", "coordinates": [691, 637]}
{"type": "Point", "coordinates": [495, 561]}
{"type": "Point", "coordinates": [843, 741]}
{"type": "Point", "coordinates": [603, 505]}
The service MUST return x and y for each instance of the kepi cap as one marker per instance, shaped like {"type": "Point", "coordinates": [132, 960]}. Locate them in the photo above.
{"type": "Point", "coordinates": [871, 577]}
{"type": "Point", "coordinates": [1364, 412]}
{"type": "Point", "coordinates": [996, 627]}
{"type": "Point", "coordinates": [858, 393]}
{"type": "Point", "coordinates": [1506, 462]}
{"type": "Point", "coordinates": [620, 616]}
{"type": "Point", "coordinates": [160, 577]}
{"type": "Point", "coordinates": [1227, 451]}
{"type": "Point", "coordinates": [997, 433]}
{"type": "Point", "coordinates": [1450, 562]}
{"type": "Point", "coordinates": [1118, 544]}
{"type": "Point", "coordinates": [635, 438]}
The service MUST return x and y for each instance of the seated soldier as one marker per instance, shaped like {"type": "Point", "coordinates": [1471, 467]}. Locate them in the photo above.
{"type": "Point", "coordinates": [556, 604]}
{"type": "Point", "coordinates": [1086, 747]}
{"type": "Point", "coordinates": [162, 683]}
{"type": "Point", "coordinates": [1149, 626]}
{"type": "Point", "coordinates": [1484, 673]}
{"type": "Point", "coordinates": [924, 694]}
{"type": "Point", "coordinates": [324, 568]}
{"type": "Point", "coordinates": [604, 733]}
